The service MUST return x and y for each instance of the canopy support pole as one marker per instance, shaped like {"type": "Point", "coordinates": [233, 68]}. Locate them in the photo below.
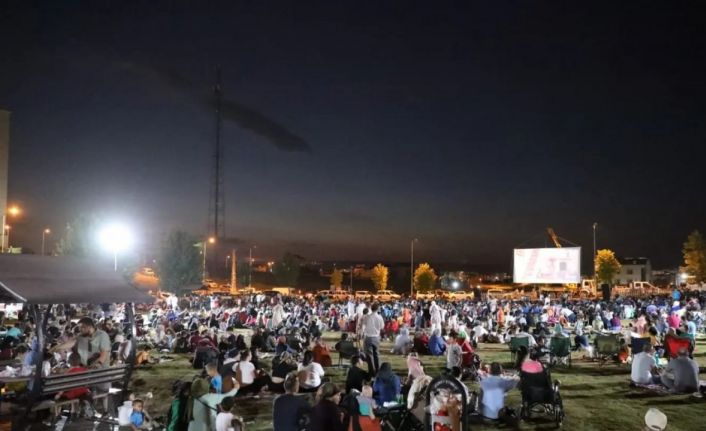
{"type": "Point", "coordinates": [40, 325]}
{"type": "Point", "coordinates": [131, 329]}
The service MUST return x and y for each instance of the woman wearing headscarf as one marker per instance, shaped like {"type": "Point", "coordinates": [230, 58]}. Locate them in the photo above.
{"type": "Point", "coordinates": [326, 416]}
{"type": "Point", "coordinates": [203, 405]}
{"type": "Point", "coordinates": [387, 384]}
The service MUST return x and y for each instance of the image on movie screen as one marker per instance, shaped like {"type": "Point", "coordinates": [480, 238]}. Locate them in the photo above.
{"type": "Point", "coordinates": [547, 265]}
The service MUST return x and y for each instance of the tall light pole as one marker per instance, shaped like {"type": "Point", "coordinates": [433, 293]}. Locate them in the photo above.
{"type": "Point", "coordinates": [45, 232]}
{"type": "Point", "coordinates": [411, 267]}
{"type": "Point", "coordinates": [210, 240]}
{"type": "Point", "coordinates": [13, 211]}
{"type": "Point", "coordinates": [7, 234]}
{"type": "Point", "coordinates": [595, 225]}
{"type": "Point", "coordinates": [116, 238]}
{"type": "Point", "coordinates": [250, 266]}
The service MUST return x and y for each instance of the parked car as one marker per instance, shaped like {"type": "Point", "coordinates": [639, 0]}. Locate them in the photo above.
{"type": "Point", "coordinates": [363, 294]}
{"type": "Point", "coordinates": [333, 295]}
{"type": "Point", "coordinates": [434, 294]}
{"type": "Point", "coordinates": [459, 295]}
{"type": "Point", "coordinates": [386, 295]}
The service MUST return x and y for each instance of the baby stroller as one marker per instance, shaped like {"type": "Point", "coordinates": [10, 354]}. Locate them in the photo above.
{"type": "Point", "coordinates": [538, 390]}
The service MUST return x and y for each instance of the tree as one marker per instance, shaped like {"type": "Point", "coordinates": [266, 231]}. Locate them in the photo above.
{"type": "Point", "coordinates": [179, 262]}
{"type": "Point", "coordinates": [695, 257]}
{"type": "Point", "coordinates": [606, 266]}
{"type": "Point", "coordinates": [79, 239]}
{"type": "Point", "coordinates": [337, 279]}
{"type": "Point", "coordinates": [379, 277]}
{"type": "Point", "coordinates": [424, 278]}
{"type": "Point", "coordinates": [286, 271]}
{"type": "Point", "coordinates": [242, 274]}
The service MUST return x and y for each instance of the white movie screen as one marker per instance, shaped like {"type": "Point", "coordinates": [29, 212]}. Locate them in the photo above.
{"type": "Point", "coordinates": [547, 265]}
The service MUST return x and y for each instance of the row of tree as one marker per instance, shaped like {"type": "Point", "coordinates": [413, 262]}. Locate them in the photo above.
{"type": "Point", "coordinates": [694, 251]}
{"type": "Point", "coordinates": [179, 262]}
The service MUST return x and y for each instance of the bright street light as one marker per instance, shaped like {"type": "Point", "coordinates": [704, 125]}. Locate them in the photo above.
{"type": "Point", "coordinates": [45, 232]}
{"type": "Point", "coordinates": [13, 211]}
{"type": "Point", "coordinates": [116, 238]}
{"type": "Point", "coordinates": [455, 284]}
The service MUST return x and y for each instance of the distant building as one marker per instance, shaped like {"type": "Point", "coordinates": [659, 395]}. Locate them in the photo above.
{"type": "Point", "coordinates": [634, 269]}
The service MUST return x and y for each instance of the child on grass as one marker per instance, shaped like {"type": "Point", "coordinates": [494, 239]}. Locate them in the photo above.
{"type": "Point", "coordinates": [226, 420]}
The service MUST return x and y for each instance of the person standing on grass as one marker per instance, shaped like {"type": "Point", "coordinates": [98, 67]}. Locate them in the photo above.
{"type": "Point", "coordinates": [454, 354]}
{"type": "Point", "coordinates": [371, 326]}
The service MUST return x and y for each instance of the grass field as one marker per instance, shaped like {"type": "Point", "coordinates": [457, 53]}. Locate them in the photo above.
{"type": "Point", "coordinates": [595, 398]}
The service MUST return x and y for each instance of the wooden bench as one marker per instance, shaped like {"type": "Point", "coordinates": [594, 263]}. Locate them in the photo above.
{"type": "Point", "coordinates": [55, 383]}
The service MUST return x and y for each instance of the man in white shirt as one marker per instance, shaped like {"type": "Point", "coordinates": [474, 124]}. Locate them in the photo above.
{"type": "Point", "coordinates": [642, 365]}
{"type": "Point", "coordinates": [277, 314]}
{"type": "Point", "coordinates": [371, 326]}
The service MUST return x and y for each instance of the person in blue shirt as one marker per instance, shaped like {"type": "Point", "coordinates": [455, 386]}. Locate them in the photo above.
{"type": "Point", "coordinates": [14, 332]}
{"type": "Point", "coordinates": [437, 346]}
{"type": "Point", "coordinates": [138, 418]}
{"type": "Point", "coordinates": [387, 385]}
{"type": "Point", "coordinates": [216, 379]}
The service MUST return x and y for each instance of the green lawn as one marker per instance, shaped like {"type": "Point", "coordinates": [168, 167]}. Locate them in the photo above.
{"type": "Point", "coordinates": [595, 398]}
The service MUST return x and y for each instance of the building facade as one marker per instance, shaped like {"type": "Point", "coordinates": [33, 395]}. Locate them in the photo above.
{"type": "Point", "coordinates": [634, 269]}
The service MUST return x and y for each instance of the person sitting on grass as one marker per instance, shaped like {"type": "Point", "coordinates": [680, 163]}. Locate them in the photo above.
{"type": "Point", "coordinates": [436, 346]}
{"type": "Point", "coordinates": [322, 355]}
{"type": "Point", "coordinates": [356, 376]}
{"type": "Point", "coordinates": [251, 381]}
{"type": "Point", "coordinates": [494, 388]}
{"type": "Point", "coordinates": [310, 373]}
{"type": "Point", "coordinates": [225, 419]}
{"type": "Point", "coordinates": [421, 342]}
{"type": "Point", "coordinates": [326, 416]}
{"type": "Point", "coordinates": [203, 405]}
{"type": "Point", "coordinates": [387, 384]}
{"type": "Point", "coordinates": [281, 367]}
{"type": "Point", "coordinates": [139, 419]}
{"type": "Point", "coordinates": [643, 367]}
{"type": "Point", "coordinates": [681, 374]}
{"type": "Point", "coordinates": [289, 410]}
{"type": "Point", "coordinates": [366, 403]}
{"type": "Point", "coordinates": [403, 342]}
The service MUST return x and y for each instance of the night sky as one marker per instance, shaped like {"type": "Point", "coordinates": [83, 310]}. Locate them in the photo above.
{"type": "Point", "coordinates": [471, 127]}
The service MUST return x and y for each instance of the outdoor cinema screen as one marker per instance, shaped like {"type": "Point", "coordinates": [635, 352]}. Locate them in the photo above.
{"type": "Point", "coordinates": [547, 265]}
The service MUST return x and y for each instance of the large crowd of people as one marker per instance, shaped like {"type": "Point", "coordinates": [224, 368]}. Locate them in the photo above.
{"type": "Point", "coordinates": [284, 352]}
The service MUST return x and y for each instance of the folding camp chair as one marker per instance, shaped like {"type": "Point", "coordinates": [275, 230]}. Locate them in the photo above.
{"type": "Point", "coordinates": [638, 345]}
{"type": "Point", "coordinates": [515, 344]}
{"type": "Point", "coordinates": [672, 345]}
{"type": "Point", "coordinates": [559, 348]}
{"type": "Point", "coordinates": [607, 346]}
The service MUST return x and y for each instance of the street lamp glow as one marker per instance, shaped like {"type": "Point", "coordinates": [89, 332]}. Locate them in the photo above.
{"type": "Point", "coordinates": [116, 238]}
{"type": "Point", "coordinates": [455, 284]}
{"type": "Point", "coordinates": [211, 240]}
{"type": "Point", "coordinates": [13, 211]}
{"type": "Point", "coordinates": [684, 276]}
{"type": "Point", "coordinates": [47, 231]}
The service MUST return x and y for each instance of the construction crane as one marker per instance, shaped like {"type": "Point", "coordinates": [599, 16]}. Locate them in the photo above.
{"type": "Point", "coordinates": [554, 237]}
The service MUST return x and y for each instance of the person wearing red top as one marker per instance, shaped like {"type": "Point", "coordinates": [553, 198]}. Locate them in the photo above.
{"type": "Point", "coordinates": [76, 367]}
{"type": "Point", "coordinates": [467, 350]}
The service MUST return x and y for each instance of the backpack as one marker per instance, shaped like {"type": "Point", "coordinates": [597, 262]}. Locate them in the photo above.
{"type": "Point", "coordinates": [178, 415]}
